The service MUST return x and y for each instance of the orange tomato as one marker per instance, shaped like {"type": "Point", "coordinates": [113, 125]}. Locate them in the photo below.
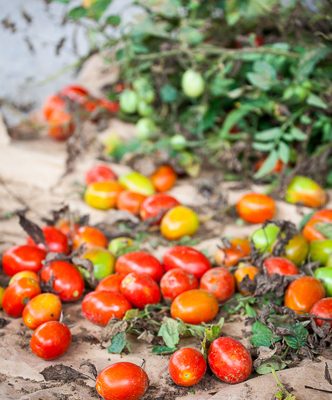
{"type": "Point", "coordinates": [305, 191]}
{"type": "Point", "coordinates": [163, 178]}
{"type": "Point", "coordinates": [90, 237]}
{"type": "Point", "coordinates": [103, 195]}
{"type": "Point", "coordinates": [53, 103]}
{"type": "Point", "coordinates": [220, 282]}
{"type": "Point", "coordinates": [247, 270]}
{"type": "Point", "coordinates": [256, 208]}
{"type": "Point", "coordinates": [42, 308]}
{"type": "Point", "coordinates": [322, 216]}
{"type": "Point", "coordinates": [130, 201]}
{"type": "Point", "coordinates": [178, 222]}
{"type": "Point", "coordinates": [230, 256]}
{"type": "Point", "coordinates": [23, 274]}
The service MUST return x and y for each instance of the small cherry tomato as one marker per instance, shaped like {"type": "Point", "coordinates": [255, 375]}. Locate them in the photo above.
{"type": "Point", "coordinates": [195, 306]}
{"type": "Point", "coordinates": [140, 289]}
{"type": "Point", "coordinates": [230, 256]}
{"type": "Point", "coordinates": [264, 238]}
{"type": "Point", "coordinates": [246, 270]}
{"type": "Point", "coordinates": [229, 360]}
{"type": "Point", "coordinates": [164, 178]}
{"type": "Point", "coordinates": [22, 258]}
{"type": "Point", "coordinates": [42, 308]}
{"type": "Point", "coordinates": [50, 340]}
{"type": "Point", "coordinates": [220, 282]}
{"type": "Point", "coordinates": [280, 266]}
{"type": "Point", "coordinates": [60, 125]}
{"type": "Point", "coordinates": [322, 309]}
{"type": "Point", "coordinates": [178, 222]}
{"type": "Point", "coordinates": [64, 278]}
{"type": "Point", "coordinates": [100, 173]}
{"type": "Point", "coordinates": [122, 381]}
{"type": "Point", "coordinates": [193, 84]}
{"type": "Point", "coordinates": [130, 201]}
{"type": "Point", "coordinates": [305, 191]}
{"type": "Point", "coordinates": [101, 306]}
{"type": "Point", "coordinates": [138, 183]}
{"type": "Point", "coordinates": [128, 101]}
{"type": "Point", "coordinates": [256, 208]}
{"type": "Point", "coordinates": [145, 129]}
{"type": "Point", "coordinates": [102, 195]}
{"type": "Point", "coordinates": [75, 93]}
{"type": "Point", "coordinates": [103, 262]}
{"type": "Point", "coordinates": [310, 231]}
{"type": "Point", "coordinates": [324, 274]}
{"type": "Point", "coordinates": [53, 103]}
{"type": "Point", "coordinates": [55, 240]}
{"type": "Point", "coordinates": [175, 282]}
{"type": "Point", "coordinates": [111, 283]}
{"type": "Point", "coordinates": [321, 250]}
{"type": "Point", "coordinates": [297, 249]}
{"type": "Point", "coordinates": [187, 258]}
{"type": "Point", "coordinates": [187, 367]}
{"type": "Point", "coordinates": [23, 274]}
{"type": "Point", "coordinates": [303, 293]}
{"type": "Point", "coordinates": [157, 205]}
{"type": "Point", "coordinates": [90, 237]}
{"type": "Point", "coordinates": [119, 244]}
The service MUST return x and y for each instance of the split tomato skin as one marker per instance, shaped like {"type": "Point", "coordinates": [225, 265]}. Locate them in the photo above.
{"type": "Point", "coordinates": [178, 222]}
{"type": "Point", "coordinates": [90, 237]}
{"type": "Point", "coordinates": [220, 282]}
{"type": "Point", "coordinates": [164, 178]}
{"type": "Point", "coordinates": [280, 266]}
{"type": "Point", "coordinates": [42, 308]}
{"type": "Point", "coordinates": [157, 205]}
{"type": "Point", "coordinates": [102, 195]}
{"type": "Point", "coordinates": [310, 231]}
{"type": "Point", "coordinates": [122, 381]}
{"type": "Point", "coordinates": [100, 173]}
{"type": "Point", "coordinates": [55, 240]}
{"type": "Point", "coordinates": [111, 283]}
{"type": "Point", "coordinates": [130, 201]}
{"type": "Point", "coordinates": [230, 256]}
{"type": "Point", "coordinates": [322, 309]}
{"type": "Point", "coordinates": [50, 340]}
{"type": "Point", "coordinates": [256, 208]}
{"type": "Point", "coordinates": [187, 367]}
{"type": "Point", "coordinates": [305, 191]}
{"type": "Point", "coordinates": [229, 360]}
{"type": "Point", "coordinates": [22, 258]}
{"type": "Point", "coordinates": [175, 282]}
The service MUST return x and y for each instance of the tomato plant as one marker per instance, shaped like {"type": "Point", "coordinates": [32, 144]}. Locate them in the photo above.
{"type": "Point", "coordinates": [322, 309]}
{"type": "Point", "coordinates": [178, 222]}
{"type": "Point", "coordinates": [130, 201]}
{"type": "Point", "coordinates": [187, 367]}
{"type": "Point", "coordinates": [42, 308]}
{"type": "Point", "coordinates": [175, 282]}
{"type": "Point", "coordinates": [22, 258]}
{"type": "Point", "coordinates": [256, 208]}
{"type": "Point", "coordinates": [164, 178]}
{"type": "Point", "coordinates": [103, 195]}
{"type": "Point", "coordinates": [100, 173]}
{"type": "Point", "coordinates": [156, 206]}
{"type": "Point", "coordinates": [280, 266]}
{"type": "Point", "coordinates": [220, 282]}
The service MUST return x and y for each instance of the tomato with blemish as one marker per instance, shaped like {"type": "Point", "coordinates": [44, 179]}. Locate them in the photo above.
{"type": "Point", "coordinates": [280, 266]}
{"type": "Point", "coordinates": [130, 201]}
{"type": "Point", "coordinates": [310, 231]}
{"type": "Point", "coordinates": [22, 258]}
{"type": "Point", "coordinates": [175, 282]}
{"type": "Point", "coordinates": [164, 178]}
{"type": "Point", "coordinates": [305, 191]}
{"type": "Point", "coordinates": [220, 282]}
{"type": "Point", "coordinates": [187, 367]}
{"type": "Point", "coordinates": [100, 173]}
{"type": "Point", "coordinates": [89, 237]}
{"type": "Point", "coordinates": [246, 270]}
{"type": "Point", "coordinates": [156, 206]}
{"type": "Point", "coordinates": [23, 274]}
{"type": "Point", "coordinates": [42, 308]}
{"type": "Point", "coordinates": [230, 256]}
{"type": "Point", "coordinates": [103, 195]}
{"type": "Point", "coordinates": [322, 309]}
{"type": "Point", "coordinates": [55, 240]}
{"type": "Point", "coordinates": [178, 222]}
{"type": "Point", "coordinates": [256, 208]}
{"type": "Point", "coordinates": [111, 283]}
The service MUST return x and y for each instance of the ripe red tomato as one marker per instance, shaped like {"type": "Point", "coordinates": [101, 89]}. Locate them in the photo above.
{"type": "Point", "coordinates": [310, 231]}
{"type": "Point", "coordinates": [195, 306]}
{"type": "Point", "coordinates": [42, 308]}
{"type": "Point", "coordinates": [65, 279]}
{"type": "Point", "coordinates": [111, 106]}
{"type": "Point", "coordinates": [230, 256]}
{"type": "Point", "coordinates": [187, 367]}
{"type": "Point", "coordinates": [280, 266]}
{"type": "Point", "coordinates": [122, 381]}
{"type": "Point", "coordinates": [75, 93]}
{"type": "Point", "coordinates": [157, 205]}
{"type": "Point", "coordinates": [53, 103]}
{"type": "Point", "coordinates": [229, 360]}
{"type": "Point", "coordinates": [220, 282]}
{"type": "Point", "coordinates": [100, 306]}
{"type": "Point", "coordinates": [55, 240]}
{"type": "Point", "coordinates": [100, 173]}
{"type": "Point", "coordinates": [50, 340]}
{"type": "Point", "coordinates": [17, 295]}
{"type": "Point", "coordinates": [175, 282]}
{"type": "Point", "coordinates": [140, 262]}
{"type": "Point", "coordinates": [322, 309]}
{"type": "Point", "coordinates": [60, 125]}
{"type": "Point", "coordinates": [111, 283]}
{"type": "Point", "coordinates": [90, 237]}
{"type": "Point", "coordinates": [140, 289]}
{"type": "Point", "coordinates": [22, 258]}
{"type": "Point", "coordinates": [256, 208]}
{"type": "Point", "coordinates": [164, 178]}
{"type": "Point", "coordinates": [188, 259]}
{"type": "Point", "coordinates": [130, 201]}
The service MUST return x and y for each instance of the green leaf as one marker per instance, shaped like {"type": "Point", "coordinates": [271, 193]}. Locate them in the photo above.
{"type": "Point", "coordinates": [310, 60]}
{"type": "Point", "coordinates": [163, 350]}
{"type": "Point", "coordinates": [233, 118]}
{"type": "Point", "coordinates": [305, 219]}
{"type": "Point", "coordinates": [98, 8]}
{"type": "Point", "coordinates": [190, 36]}
{"type": "Point", "coordinates": [284, 152]}
{"type": "Point", "coordinates": [325, 229]}
{"type": "Point", "coordinates": [316, 101]}
{"type": "Point", "coordinates": [168, 93]}
{"type": "Point", "coordinates": [261, 146]}
{"type": "Point", "coordinates": [263, 335]}
{"type": "Point", "coordinates": [270, 365]}
{"type": "Point", "coordinates": [264, 75]}
{"type": "Point", "coordinates": [297, 134]}
{"type": "Point", "coordinates": [118, 343]}
{"type": "Point", "coordinates": [114, 20]}
{"type": "Point", "coordinates": [268, 135]}
{"type": "Point", "coordinates": [299, 339]}
{"type": "Point", "coordinates": [267, 165]}
{"type": "Point", "coordinates": [77, 13]}
{"type": "Point", "coordinates": [169, 331]}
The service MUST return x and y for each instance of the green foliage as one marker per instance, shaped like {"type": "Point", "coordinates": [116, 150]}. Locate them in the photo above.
{"type": "Point", "coordinates": [325, 229]}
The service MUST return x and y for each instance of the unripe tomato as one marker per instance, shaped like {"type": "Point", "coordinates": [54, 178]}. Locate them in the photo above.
{"type": "Point", "coordinates": [157, 205]}
{"type": "Point", "coordinates": [130, 201]}
{"type": "Point", "coordinates": [55, 240]}
{"type": "Point", "coordinates": [138, 183]}
{"type": "Point", "coordinates": [230, 256]}
{"type": "Point", "coordinates": [144, 109]}
{"type": "Point", "coordinates": [324, 274]}
{"type": "Point", "coordinates": [122, 381]}
{"type": "Point", "coordinates": [303, 293]}
{"type": "Point", "coordinates": [187, 258]}
{"type": "Point", "coordinates": [264, 238]}
{"type": "Point", "coordinates": [128, 101]}
{"type": "Point", "coordinates": [140, 289]}
{"type": "Point", "coordinates": [103, 262]}
{"type": "Point", "coordinates": [60, 125]}
{"type": "Point", "coordinates": [53, 103]}
{"type": "Point", "coordinates": [280, 266]}
{"type": "Point", "coordinates": [246, 270]}
{"type": "Point", "coordinates": [23, 274]}
{"type": "Point", "coordinates": [187, 367]}
{"type": "Point", "coordinates": [322, 309]}
{"type": "Point", "coordinates": [117, 245]}
{"type": "Point", "coordinates": [22, 258]}
{"type": "Point", "coordinates": [50, 340]}
{"type": "Point", "coordinates": [297, 249]}
{"type": "Point", "coordinates": [256, 208]}
{"type": "Point", "coordinates": [178, 142]}
{"type": "Point", "coordinates": [145, 128]}
{"type": "Point", "coordinates": [193, 84]}
{"type": "Point", "coordinates": [320, 250]}
{"type": "Point", "coordinates": [178, 222]}
{"type": "Point", "coordinates": [229, 360]}
{"type": "Point", "coordinates": [103, 195]}
{"type": "Point", "coordinates": [17, 295]}
{"type": "Point", "coordinates": [175, 282]}
{"type": "Point", "coordinates": [65, 279]}
{"type": "Point", "coordinates": [101, 306]}
{"type": "Point", "coordinates": [195, 306]}
{"type": "Point", "coordinates": [42, 308]}
{"type": "Point", "coordinates": [111, 283]}
{"type": "Point", "coordinates": [140, 262]}
{"type": "Point", "coordinates": [220, 282]}
{"type": "Point", "coordinates": [89, 237]}
{"type": "Point", "coordinates": [310, 231]}
{"type": "Point", "coordinates": [100, 173]}
{"type": "Point", "coordinates": [305, 191]}
{"type": "Point", "coordinates": [164, 178]}
{"type": "Point", "coordinates": [144, 90]}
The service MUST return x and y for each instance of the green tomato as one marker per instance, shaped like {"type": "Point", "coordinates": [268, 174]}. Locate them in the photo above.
{"type": "Point", "coordinates": [144, 109]}
{"type": "Point", "coordinates": [148, 96]}
{"type": "Point", "coordinates": [264, 238]}
{"type": "Point", "coordinates": [128, 101]}
{"type": "Point", "coordinates": [178, 142]}
{"type": "Point", "coordinates": [145, 128]}
{"type": "Point", "coordinates": [305, 191]}
{"type": "Point", "coordinates": [103, 263]}
{"type": "Point", "coordinates": [321, 250]}
{"type": "Point", "coordinates": [137, 183]}
{"type": "Point", "coordinates": [117, 245]}
{"type": "Point", "coordinates": [193, 84]}
{"type": "Point", "coordinates": [144, 90]}
{"type": "Point", "coordinates": [324, 274]}
{"type": "Point", "coordinates": [297, 249]}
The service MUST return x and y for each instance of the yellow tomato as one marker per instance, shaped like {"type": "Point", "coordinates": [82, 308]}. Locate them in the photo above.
{"type": "Point", "coordinates": [178, 222]}
{"type": "Point", "coordinates": [102, 195]}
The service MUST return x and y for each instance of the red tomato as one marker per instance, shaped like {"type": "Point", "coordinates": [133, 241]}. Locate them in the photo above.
{"type": "Point", "coordinates": [75, 93]}
{"type": "Point", "coordinates": [310, 231]}
{"type": "Point", "coordinates": [220, 282]}
{"type": "Point", "coordinates": [280, 266]}
{"type": "Point", "coordinates": [164, 178]}
{"type": "Point", "coordinates": [90, 237]}
{"type": "Point", "coordinates": [17, 295]}
{"type": "Point", "coordinates": [157, 205]}
{"type": "Point", "coordinates": [140, 262]}
{"type": "Point", "coordinates": [188, 259]}
{"type": "Point", "coordinates": [23, 274]}
{"type": "Point", "coordinates": [50, 340]}
{"type": "Point", "coordinates": [140, 289]}
{"type": "Point", "coordinates": [111, 106]}
{"type": "Point", "coordinates": [130, 201]}
{"type": "Point", "coordinates": [122, 381]}
{"type": "Point", "coordinates": [229, 360]}
{"type": "Point", "coordinates": [256, 208]}
{"type": "Point", "coordinates": [322, 309]}
{"type": "Point", "coordinates": [56, 241]}
{"type": "Point", "coordinates": [175, 282]}
{"type": "Point", "coordinates": [100, 306]}
{"type": "Point", "coordinates": [100, 173]}
{"type": "Point", "coordinates": [22, 258]}
{"type": "Point", "coordinates": [187, 367]}
{"type": "Point", "coordinates": [111, 283]}
{"type": "Point", "coordinates": [65, 279]}
{"type": "Point", "coordinates": [42, 308]}
{"type": "Point", "coordinates": [60, 125]}
{"type": "Point", "coordinates": [53, 103]}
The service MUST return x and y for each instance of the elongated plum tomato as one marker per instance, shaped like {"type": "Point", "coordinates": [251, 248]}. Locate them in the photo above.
{"type": "Point", "coordinates": [55, 240]}
{"type": "Point", "coordinates": [90, 237]}
{"type": "Point", "coordinates": [102, 260]}
{"type": "Point", "coordinates": [100, 173]}
{"type": "Point", "coordinates": [140, 289]}
{"type": "Point", "coordinates": [157, 205]}
{"type": "Point", "coordinates": [280, 266]}
{"type": "Point", "coordinates": [321, 250]}
{"type": "Point", "coordinates": [138, 183]}
{"type": "Point", "coordinates": [65, 279]}
{"type": "Point", "coordinates": [23, 274]}
{"type": "Point", "coordinates": [175, 282]}
{"type": "Point", "coordinates": [164, 178]}
{"type": "Point", "coordinates": [130, 201]}
{"type": "Point", "coordinates": [101, 306]}
{"type": "Point", "coordinates": [322, 309]}
{"type": "Point", "coordinates": [103, 195]}
{"type": "Point", "coordinates": [187, 367]}
{"type": "Point", "coordinates": [220, 282]}
{"type": "Point", "coordinates": [17, 295]}
{"type": "Point", "coordinates": [246, 270]}
{"type": "Point", "coordinates": [303, 293]}
{"type": "Point", "coordinates": [230, 256]}
{"type": "Point", "coordinates": [140, 262]}
{"type": "Point", "coordinates": [122, 381]}
{"type": "Point", "coordinates": [324, 274]}
{"type": "Point", "coordinates": [304, 190]}
{"type": "Point", "coordinates": [50, 340]}
{"type": "Point", "coordinates": [178, 222]}
{"type": "Point", "coordinates": [195, 306]}
{"type": "Point", "coordinates": [111, 283]}
{"type": "Point", "coordinates": [186, 258]}
{"type": "Point", "coordinates": [256, 208]}
{"type": "Point", "coordinates": [42, 308]}
{"type": "Point", "coordinates": [296, 250]}
{"type": "Point", "coordinates": [229, 360]}
{"type": "Point", "coordinates": [310, 231]}
{"type": "Point", "coordinates": [22, 258]}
